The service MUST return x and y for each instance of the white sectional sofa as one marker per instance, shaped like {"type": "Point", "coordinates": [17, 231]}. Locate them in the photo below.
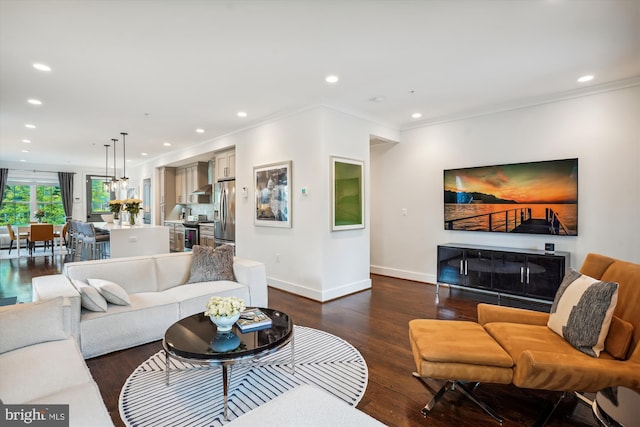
{"type": "Point", "coordinates": [158, 295]}
{"type": "Point", "coordinates": [41, 364]}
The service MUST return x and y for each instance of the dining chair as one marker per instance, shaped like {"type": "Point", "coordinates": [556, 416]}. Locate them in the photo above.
{"type": "Point", "coordinates": [14, 238]}
{"type": "Point", "coordinates": [61, 235]}
{"type": "Point", "coordinates": [40, 233]}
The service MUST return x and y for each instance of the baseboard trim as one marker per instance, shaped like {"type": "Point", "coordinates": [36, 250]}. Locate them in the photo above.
{"type": "Point", "coordinates": [321, 296]}
{"type": "Point", "coordinates": [403, 274]}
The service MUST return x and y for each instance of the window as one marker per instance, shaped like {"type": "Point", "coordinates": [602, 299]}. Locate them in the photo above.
{"type": "Point", "coordinates": [16, 206]}
{"type": "Point", "coordinates": [49, 199]}
{"type": "Point", "coordinates": [97, 198]}
{"type": "Point", "coordinates": [21, 201]}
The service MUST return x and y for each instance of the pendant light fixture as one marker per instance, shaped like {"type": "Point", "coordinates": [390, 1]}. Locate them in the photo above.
{"type": "Point", "coordinates": [114, 181]}
{"type": "Point", "coordinates": [107, 184]}
{"type": "Point", "coordinates": [124, 180]}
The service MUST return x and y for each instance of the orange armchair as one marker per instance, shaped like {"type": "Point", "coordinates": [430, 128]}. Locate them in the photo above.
{"type": "Point", "coordinates": [520, 349]}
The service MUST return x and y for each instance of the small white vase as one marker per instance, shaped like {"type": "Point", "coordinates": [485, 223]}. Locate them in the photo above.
{"type": "Point", "coordinates": [224, 323]}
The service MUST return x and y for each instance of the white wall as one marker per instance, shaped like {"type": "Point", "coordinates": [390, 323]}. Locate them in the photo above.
{"type": "Point", "coordinates": [307, 259]}
{"type": "Point", "coordinates": [601, 130]}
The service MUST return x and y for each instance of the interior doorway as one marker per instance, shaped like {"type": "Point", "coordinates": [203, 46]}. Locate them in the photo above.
{"type": "Point", "coordinates": [146, 199]}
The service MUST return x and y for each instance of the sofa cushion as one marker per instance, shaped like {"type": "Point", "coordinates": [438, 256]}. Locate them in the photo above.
{"type": "Point", "coordinates": [32, 323]}
{"type": "Point", "coordinates": [122, 326]}
{"type": "Point", "coordinates": [209, 264]}
{"type": "Point", "coordinates": [193, 297]}
{"type": "Point", "coordinates": [30, 373]}
{"type": "Point", "coordinates": [111, 291]}
{"type": "Point", "coordinates": [172, 269]}
{"type": "Point", "coordinates": [91, 299]}
{"type": "Point", "coordinates": [619, 338]}
{"type": "Point", "coordinates": [133, 274]}
{"type": "Point", "coordinates": [582, 311]}
{"type": "Point", "coordinates": [305, 405]}
{"type": "Point", "coordinates": [86, 407]}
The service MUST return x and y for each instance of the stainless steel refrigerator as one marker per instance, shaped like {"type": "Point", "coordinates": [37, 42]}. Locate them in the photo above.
{"type": "Point", "coordinates": [225, 213]}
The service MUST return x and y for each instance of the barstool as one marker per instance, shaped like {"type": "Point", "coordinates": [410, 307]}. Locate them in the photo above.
{"type": "Point", "coordinates": [97, 242]}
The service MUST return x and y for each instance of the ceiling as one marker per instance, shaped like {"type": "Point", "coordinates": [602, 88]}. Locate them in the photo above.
{"type": "Point", "coordinates": [160, 69]}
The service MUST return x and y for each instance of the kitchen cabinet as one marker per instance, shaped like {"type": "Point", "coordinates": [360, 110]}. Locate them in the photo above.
{"type": "Point", "coordinates": [179, 238]}
{"type": "Point", "coordinates": [181, 193]}
{"type": "Point", "coordinates": [518, 273]}
{"type": "Point", "coordinates": [167, 192]}
{"type": "Point", "coordinates": [225, 165]}
{"type": "Point", "coordinates": [206, 235]}
{"type": "Point", "coordinates": [189, 179]}
{"type": "Point", "coordinates": [176, 235]}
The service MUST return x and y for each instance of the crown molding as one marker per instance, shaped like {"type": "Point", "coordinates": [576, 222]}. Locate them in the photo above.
{"type": "Point", "coordinates": [528, 102]}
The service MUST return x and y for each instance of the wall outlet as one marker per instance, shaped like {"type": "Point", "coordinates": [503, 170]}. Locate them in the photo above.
{"type": "Point", "coordinates": [277, 257]}
{"type": "Point", "coordinates": [403, 211]}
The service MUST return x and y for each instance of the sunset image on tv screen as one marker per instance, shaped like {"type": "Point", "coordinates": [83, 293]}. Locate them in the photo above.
{"type": "Point", "coordinates": [535, 198]}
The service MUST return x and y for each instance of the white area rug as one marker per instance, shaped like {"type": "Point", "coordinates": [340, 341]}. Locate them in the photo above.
{"type": "Point", "coordinates": [24, 252]}
{"type": "Point", "coordinates": [195, 396]}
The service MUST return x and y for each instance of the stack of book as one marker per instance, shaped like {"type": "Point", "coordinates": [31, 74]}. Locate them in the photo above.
{"type": "Point", "coordinates": [253, 319]}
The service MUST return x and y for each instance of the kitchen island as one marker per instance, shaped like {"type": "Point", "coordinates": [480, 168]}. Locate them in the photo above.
{"type": "Point", "coordinates": [142, 239]}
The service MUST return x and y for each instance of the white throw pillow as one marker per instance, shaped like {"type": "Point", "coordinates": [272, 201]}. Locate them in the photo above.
{"type": "Point", "coordinates": [31, 323]}
{"type": "Point", "coordinates": [112, 292]}
{"type": "Point", "coordinates": [90, 298]}
{"type": "Point", "coordinates": [582, 310]}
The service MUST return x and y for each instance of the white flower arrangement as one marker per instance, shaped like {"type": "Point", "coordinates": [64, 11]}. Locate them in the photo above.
{"type": "Point", "coordinates": [224, 306]}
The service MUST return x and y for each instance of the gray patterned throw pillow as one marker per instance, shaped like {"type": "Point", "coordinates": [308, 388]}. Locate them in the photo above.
{"type": "Point", "coordinates": [582, 310]}
{"type": "Point", "coordinates": [209, 264]}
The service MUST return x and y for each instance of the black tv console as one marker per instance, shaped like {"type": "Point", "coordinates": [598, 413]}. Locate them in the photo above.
{"type": "Point", "coordinates": [505, 274]}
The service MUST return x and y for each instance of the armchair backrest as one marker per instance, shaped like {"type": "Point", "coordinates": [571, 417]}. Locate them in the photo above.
{"type": "Point", "coordinates": [627, 275]}
{"type": "Point", "coordinates": [41, 232]}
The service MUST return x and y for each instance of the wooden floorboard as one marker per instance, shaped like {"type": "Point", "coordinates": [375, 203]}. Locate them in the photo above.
{"type": "Point", "coordinates": [376, 323]}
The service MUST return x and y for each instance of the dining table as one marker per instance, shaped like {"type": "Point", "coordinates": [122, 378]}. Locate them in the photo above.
{"type": "Point", "coordinates": [25, 230]}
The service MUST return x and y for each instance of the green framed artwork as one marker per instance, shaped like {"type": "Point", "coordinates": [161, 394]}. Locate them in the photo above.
{"type": "Point", "coordinates": [347, 179]}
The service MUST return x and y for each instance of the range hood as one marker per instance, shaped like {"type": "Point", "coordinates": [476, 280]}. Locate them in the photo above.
{"type": "Point", "coordinates": [205, 189]}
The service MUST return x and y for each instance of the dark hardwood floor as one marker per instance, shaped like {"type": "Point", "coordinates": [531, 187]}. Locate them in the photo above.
{"type": "Point", "coordinates": [376, 323]}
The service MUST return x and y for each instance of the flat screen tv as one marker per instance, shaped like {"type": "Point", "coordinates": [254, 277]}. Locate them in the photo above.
{"type": "Point", "coordinates": [533, 198]}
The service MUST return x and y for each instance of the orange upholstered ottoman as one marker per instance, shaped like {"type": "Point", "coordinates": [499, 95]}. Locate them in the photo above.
{"type": "Point", "coordinates": [458, 350]}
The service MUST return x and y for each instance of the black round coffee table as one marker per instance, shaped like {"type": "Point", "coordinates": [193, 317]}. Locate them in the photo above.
{"type": "Point", "coordinates": [195, 339]}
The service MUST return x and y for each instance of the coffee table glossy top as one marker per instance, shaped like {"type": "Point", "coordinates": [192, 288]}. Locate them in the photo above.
{"type": "Point", "coordinates": [196, 337]}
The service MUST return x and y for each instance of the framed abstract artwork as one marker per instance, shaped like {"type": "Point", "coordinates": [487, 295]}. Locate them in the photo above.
{"type": "Point", "coordinates": [347, 194]}
{"type": "Point", "coordinates": [273, 195]}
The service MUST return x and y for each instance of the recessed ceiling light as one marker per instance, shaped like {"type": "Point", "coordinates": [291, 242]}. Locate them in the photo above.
{"type": "Point", "coordinates": [41, 67]}
{"type": "Point", "coordinates": [585, 79]}
{"type": "Point", "coordinates": [22, 160]}
{"type": "Point", "coordinates": [34, 101]}
{"type": "Point", "coordinates": [416, 115]}
{"type": "Point", "coordinates": [377, 99]}
{"type": "Point", "coordinates": [331, 79]}
{"type": "Point", "coordinates": [30, 126]}
{"type": "Point", "coordinates": [242, 114]}
{"type": "Point", "coordinates": [25, 151]}
{"type": "Point", "coordinates": [26, 141]}
{"type": "Point", "coordinates": [167, 144]}
{"type": "Point", "coordinates": [200, 130]}
{"type": "Point", "coordinates": [144, 154]}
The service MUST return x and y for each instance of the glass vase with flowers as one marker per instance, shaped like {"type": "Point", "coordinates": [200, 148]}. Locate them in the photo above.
{"type": "Point", "coordinates": [133, 207]}
{"type": "Point", "coordinates": [115, 206]}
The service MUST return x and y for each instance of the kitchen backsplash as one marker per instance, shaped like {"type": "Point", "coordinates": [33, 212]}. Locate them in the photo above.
{"type": "Point", "coordinates": [199, 209]}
